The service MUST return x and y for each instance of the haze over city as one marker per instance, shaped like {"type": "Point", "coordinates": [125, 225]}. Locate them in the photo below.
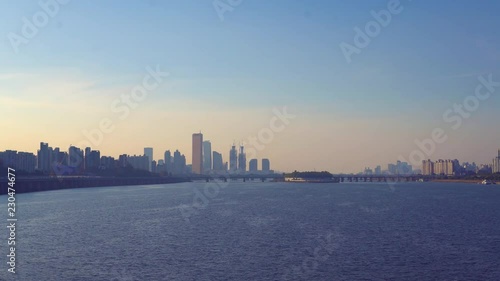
{"type": "Point", "coordinates": [225, 78]}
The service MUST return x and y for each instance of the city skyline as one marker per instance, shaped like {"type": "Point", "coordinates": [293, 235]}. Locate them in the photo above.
{"type": "Point", "coordinates": [78, 158]}
{"type": "Point", "coordinates": [50, 160]}
{"type": "Point", "coordinates": [347, 113]}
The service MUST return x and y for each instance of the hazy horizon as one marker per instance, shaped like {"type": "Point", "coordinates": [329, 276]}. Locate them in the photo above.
{"type": "Point", "coordinates": [228, 76]}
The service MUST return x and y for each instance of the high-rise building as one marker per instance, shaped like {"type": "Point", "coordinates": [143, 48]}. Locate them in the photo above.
{"type": "Point", "coordinates": [496, 163]}
{"type": "Point", "coordinates": [242, 160]}
{"type": "Point", "coordinates": [218, 165]}
{"type": "Point", "coordinates": [197, 155]}
{"type": "Point", "coordinates": [26, 161]}
{"type": "Point", "coordinates": [9, 158]}
{"type": "Point", "coordinates": [148, 151]}
{"type": "Point", "coordinates": [252, 166]}
{"type": "Point", "coordinates": [378, 170]}
{"type": "Point", "coordinates": [92, 159]}
{"type": "Point", "coordinates": [122, 160]}
{"type": "Point", "coordinates": [266, 165]}
{"type": "Point", "coordinates": [402, 168]}
{"type": "Point", "coordinates": [59, 157]}
{"type": "Point", "coordinates": [179, 164]}
{"type": "Point", "coordinates": [233, 159]}
{"type": "Point", "coordinates": [183, 167]}
{"type": "Point", "coordinates": [44, 156]}
{"type": "Point", "coordinates": [21, 161]}
{"type": "Point", "coordinates": [392, 169]}
{"type": "Point", "coordinates": [139, 162]}
{"type": "Point", "coordinates": [87, 158]}
{"type": "Point", "coordinates": [427, 168]}
{"type": "Point", "coordinates": [207, 156]}
{"type": "Point", "coordinates": [161, 168]}
{"type": "Point", "coordinates": [108, 162]}
{"type": "Point", "coordinates": [446, 167]}
{"type": "Point", "coordinates": [154, 166]}
{"type": "Point", "coordinates": [168, 161]}
{"type": "Point", "coordinates": [76, 159]}
{"type": "Point", "coordinates": [439, 167]}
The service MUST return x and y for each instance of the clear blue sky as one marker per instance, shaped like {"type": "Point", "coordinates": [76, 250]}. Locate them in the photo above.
{"type": "Point", "coordinates": [263, 54]}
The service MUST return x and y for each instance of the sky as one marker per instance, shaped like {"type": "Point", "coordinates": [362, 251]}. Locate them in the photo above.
{"type": "Point", "coordinates": [231, 68]}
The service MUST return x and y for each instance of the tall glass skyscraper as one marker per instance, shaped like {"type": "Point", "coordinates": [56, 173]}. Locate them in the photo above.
{"type": "Point", "coordinates": [197, 163]}
{"type": "Point", "coordinates": [266, 165]}
{"type": "Point", "coordinates": [496, 163]}
{"type": "Point", "coordinates": [233, 159]}
{"type": "Point", "coordinates": [207, 156]}
{"type": "Point", "coordinates": [218, 165]}
{"type": "Point", "coordinates": [242, 160]}
{"type": "Point", "coordinates": [148, 151]}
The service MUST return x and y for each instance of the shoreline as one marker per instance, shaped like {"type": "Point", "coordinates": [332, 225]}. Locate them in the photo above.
{"type": "Point", "coordinates": [27, 185]}
{"type": "Point", "coordinates": [456, 181]}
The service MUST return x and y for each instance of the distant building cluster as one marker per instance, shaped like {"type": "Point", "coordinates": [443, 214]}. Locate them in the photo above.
{"type": "Point", "coordinates": [398, 168]}
{"type": "Point", "coordinates": [441, 167]}
{"type": "Point", "coordinates": [54, 161]}
{"type": "Point", "coordinates": [22, 161]}
{"type": "Point", "coordinates": [206, 161]}
{"type": "Point", "coordinates": [454, 167]}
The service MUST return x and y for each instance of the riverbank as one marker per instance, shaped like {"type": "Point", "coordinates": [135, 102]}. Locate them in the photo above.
{"type": "Point", "coordinates": [457, 181]}
{"type": "Point", "coordinates": [36, 184]}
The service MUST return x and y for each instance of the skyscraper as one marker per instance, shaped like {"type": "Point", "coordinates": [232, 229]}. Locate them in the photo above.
{"type": "Point", "coordinates": [218, 165]}
{"type": "Point", "coordinates": [22, 161]}
{"type": "Point", "coordinates": [427, 168]}
{"type": "Point", "coordinates": [168, 161]}
{"type": "Point", "coordinates": [44, 157]}
{"type": "Point", "coordinates": [207, 156]}
{"type": "Point", "coordinates": [76, 159]}
{"type": "Point", "coordinates": [183, 166]}
{"type": "Point", "coordinates": [59, 157]}
{"type": "Point", "coordinates": [266, 165]}
{"type": "Point", "coordinates": [178, 163]}
{"type": "Point", "coordinates": [139, 162]}
{"type": "Point", "coordinates": [148, 151]}
{"type": "Point", "coordinates": [242, 160]}
{"type": "Point", "coordinates": [496, 163]}
{"type": "Point", "coordinates": [92, 159]}
{"type": "Point", "coordinates": [87, 157]}
{"type": "Point", "coordinates": [252, 166]}
{"type": "Point", "coordinates": [197, 155]}
{"type": "Point", "coordinates": [233, 159]}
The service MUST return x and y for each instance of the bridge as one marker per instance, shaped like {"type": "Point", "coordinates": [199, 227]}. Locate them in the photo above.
{"type": "Point", "coordinates": [380, 178]}
{"type": "Point", "coordinates": [235, 177]}
{"type": "Point", "coordinates": [24, 184]}
{"type": "Point", "coordinates": [335, 177]}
